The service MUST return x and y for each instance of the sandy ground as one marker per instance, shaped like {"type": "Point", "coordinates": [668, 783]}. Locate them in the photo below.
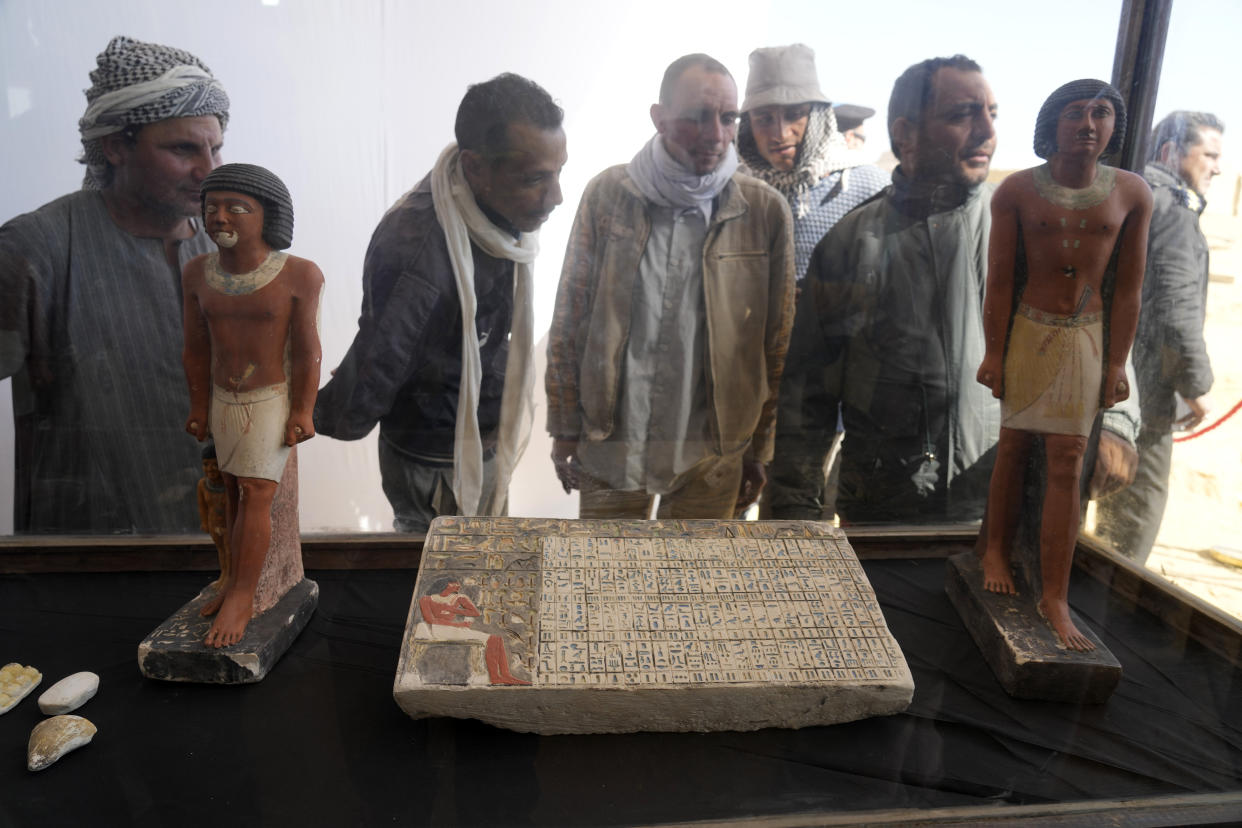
{"type": "Point", "coordinates": [1205, 487]}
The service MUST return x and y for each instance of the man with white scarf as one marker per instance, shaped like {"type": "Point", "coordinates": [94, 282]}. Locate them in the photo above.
{"type": "Point", "coordinates": [672, 318]}
{"type": "Point", "coordinates": [90, 325]}
{"type": "Point", "coordinates": [443, 357]}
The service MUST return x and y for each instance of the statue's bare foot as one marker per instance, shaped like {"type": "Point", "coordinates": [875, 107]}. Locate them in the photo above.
{"type": "Point", "coordinates": [212, 606]}
{"type": "Point", "coordinates": [510, 680]}
{"type": "Point", "coordinates": [997, 574]}
{"type": "Point", "coordinates": [1056, 613]}
{"type": "Point", "coordinates": [230, 624]}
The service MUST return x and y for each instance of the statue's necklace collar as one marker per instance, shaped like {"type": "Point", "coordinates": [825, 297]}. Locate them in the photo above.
{"type": "Point", "coordinates": [236, 284]}
{"type": "Point", "coordinates": [1069, 198]}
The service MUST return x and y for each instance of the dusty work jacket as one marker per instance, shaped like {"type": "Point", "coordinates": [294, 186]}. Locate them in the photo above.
{"type": "Point", "coordinates": [748, 296]}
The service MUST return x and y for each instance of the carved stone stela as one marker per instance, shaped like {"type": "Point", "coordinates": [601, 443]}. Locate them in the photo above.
{"type": "Point", "coordinates": [557, 626]}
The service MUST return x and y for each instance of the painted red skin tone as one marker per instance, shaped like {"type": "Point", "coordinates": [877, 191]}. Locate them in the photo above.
{"type": "Point", "coordinates": [1083, 131]}
{"type": "Point", "coordinates": [446, 614]}
{"type": "Point", "coordinates": [238, 342]}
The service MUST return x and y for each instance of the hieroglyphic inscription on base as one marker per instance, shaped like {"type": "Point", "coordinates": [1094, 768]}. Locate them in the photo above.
{"type": "Point", "coordinates": [653, 611]}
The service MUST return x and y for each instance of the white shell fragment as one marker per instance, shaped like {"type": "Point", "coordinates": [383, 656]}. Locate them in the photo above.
{"type": "Point", "coordinates": [53, 738]}
{"type": "Point", "coordinates": [69, 693]}
{"type": "Point", "coordinates": [16, 682]}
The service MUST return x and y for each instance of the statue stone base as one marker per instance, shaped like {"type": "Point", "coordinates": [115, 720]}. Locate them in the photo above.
{"type": "Point", "coordinates": [175, 650]}
{"type": "Point", "coordinates": [1018, 644]}
{"type": "Point", "coordinates": [284, 601]}
{"type": "Point", "coordinates": [617, 626]}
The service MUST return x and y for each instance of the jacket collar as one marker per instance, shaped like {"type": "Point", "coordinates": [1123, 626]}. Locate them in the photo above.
{"type": "Point", "coordinates": [1158, 175]}
{"type": "Point", "coordinates": [922, 198]}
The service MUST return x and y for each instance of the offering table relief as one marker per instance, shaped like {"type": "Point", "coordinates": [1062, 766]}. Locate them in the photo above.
{"type": "Point", "coordinates": [568, 626]}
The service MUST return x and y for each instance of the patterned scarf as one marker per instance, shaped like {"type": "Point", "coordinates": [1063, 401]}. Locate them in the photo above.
{"type": "Point", "coordinates": [136, 83]}
{"type": "Point", "coordinates": [821, 152]}
{"type": "Point", "coordinates": [661, 178]}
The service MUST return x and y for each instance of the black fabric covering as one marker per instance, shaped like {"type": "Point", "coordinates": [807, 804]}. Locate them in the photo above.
{"type": "Point", "coordinates": [321, 742]}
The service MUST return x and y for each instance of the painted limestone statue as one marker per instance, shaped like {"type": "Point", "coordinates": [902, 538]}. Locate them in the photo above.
{"type": "Point", "coordinates": [1057, 230]}
{"type": "Point", "coordinates": [252, 360]}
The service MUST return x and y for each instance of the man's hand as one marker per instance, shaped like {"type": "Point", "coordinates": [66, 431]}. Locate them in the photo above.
{"type": "Point", "coordinates": [1199, 408]}
{"type": "Point", "coordinates": [1115, 464]}
{"type": "Point", "coordinates": [196, 424]}
{"type": "Point", "coordinates": [565, 459]}
{"type": "Point", "coordinates": [754, 478]}
{"type": "Point", "coordinates": [298, 429]}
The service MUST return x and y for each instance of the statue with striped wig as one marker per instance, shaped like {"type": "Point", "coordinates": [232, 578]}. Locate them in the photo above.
{"type": "Point", "coordinates": [252, 361]}
{"type": "Point", "coordinates": [1064, 236]}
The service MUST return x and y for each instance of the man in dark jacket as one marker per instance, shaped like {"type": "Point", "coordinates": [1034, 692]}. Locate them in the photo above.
{"type": "Point", "coordinates": [1170, 356]}
{"type": "Point", "coordinates": [454, 404]}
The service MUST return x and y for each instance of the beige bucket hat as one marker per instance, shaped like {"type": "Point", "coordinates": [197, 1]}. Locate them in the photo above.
{"type": "Point", "coordinates": [782, 75]}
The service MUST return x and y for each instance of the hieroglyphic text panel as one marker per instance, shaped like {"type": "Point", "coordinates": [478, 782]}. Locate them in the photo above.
{"type": "Point", "coordinates": [642, 611]}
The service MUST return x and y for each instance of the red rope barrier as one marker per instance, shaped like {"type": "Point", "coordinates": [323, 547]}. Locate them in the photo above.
{"type": "Point", "coordinates": [1203, 431]}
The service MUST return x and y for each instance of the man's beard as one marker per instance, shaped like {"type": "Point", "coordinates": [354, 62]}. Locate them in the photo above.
{"type": "Point", "coordinates": [226, 240]}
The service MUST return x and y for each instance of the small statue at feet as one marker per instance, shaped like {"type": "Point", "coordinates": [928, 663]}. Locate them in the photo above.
{"type": "Point", "coordinates": [1057, 231]}
{"type": "Point", "coordinates": [213, 510]}
{"type": "Point", "coordinates": [252, 361]}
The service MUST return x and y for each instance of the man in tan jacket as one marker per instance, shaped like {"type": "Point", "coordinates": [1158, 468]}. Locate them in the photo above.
{"type": "Point", "coordinates": [672, 318]}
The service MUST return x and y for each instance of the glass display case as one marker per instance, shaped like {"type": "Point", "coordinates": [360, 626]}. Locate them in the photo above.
{"type": "Point", "coordinates": [352, 103]}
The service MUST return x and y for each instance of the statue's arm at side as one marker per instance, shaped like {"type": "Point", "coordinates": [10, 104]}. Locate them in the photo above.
{"type": "Point", "coordinates": [1125, 418]}
{"type": "Point", "coordinates": [811, 387]}
{"type": "Point", "coordinates": [1116, 460]}
{"type": "Point", "coordinates": [1127, 290]}
{"type": "Point", "coordinates": [196, 352]}
{"type": "Point", "coordinates": [998, 295]}
{"type": "Point", "coordinates": [305, 353]}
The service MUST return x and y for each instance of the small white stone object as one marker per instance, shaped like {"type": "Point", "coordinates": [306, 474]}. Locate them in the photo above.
{"type": "Point", "coordinates": [16, 682]}
{"type": "Point", "coordinates": [69, 693]}
{"type": "Point", "coordinates": [53, 738]}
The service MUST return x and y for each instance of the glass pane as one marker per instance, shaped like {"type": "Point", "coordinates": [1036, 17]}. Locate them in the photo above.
{"type": "Point", "coordinates": [1203, 516]}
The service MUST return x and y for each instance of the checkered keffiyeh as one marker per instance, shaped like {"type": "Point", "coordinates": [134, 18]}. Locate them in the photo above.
{"type": "Point", "coordinates": [136, 83]}
{"type": "Point", "coordinates": [823, 151]}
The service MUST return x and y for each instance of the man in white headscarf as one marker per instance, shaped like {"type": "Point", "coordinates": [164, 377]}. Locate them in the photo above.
{"type": "Point", "coordinates": [672, 318]}
{"type": "Point", "coordinates": [443, 356]}
{"type": "Point", "coordinates": [90, 325]}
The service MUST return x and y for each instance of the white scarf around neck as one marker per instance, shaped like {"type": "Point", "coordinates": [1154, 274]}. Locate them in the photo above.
{"type": "Point", "coordinates": [661, 178]}
{"type": "Point", "coordinates": [463, 222]}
